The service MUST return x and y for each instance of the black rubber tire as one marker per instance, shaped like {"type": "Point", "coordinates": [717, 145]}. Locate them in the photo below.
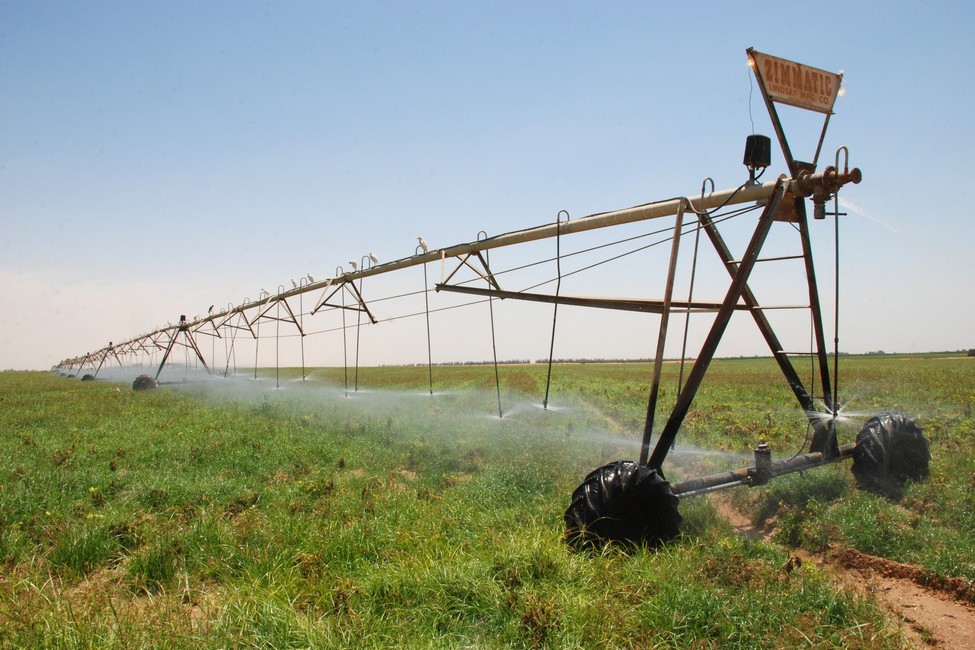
{"type": "Point", "coordinates": [144, 382]}
{"type": "Point", "coordinates": [622, 503]}
{"type": "Point", "coordinates": [890, 450]}
{"type": "Point", "coordinates": [88, 377]}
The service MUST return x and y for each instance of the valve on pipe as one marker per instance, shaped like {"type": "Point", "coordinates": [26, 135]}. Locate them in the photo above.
{"type": "Point", "coordinates": [763, 464]}
{"type": "Point", "coordinates": [821, 186]}
{"type": "Point", "coordinates": [628, 504]}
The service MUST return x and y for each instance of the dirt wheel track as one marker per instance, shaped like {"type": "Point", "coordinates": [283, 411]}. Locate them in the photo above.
{"type": "Point", "coordinates": [933, 611]}
{"type": "Point", "coordinates": [955, 588]}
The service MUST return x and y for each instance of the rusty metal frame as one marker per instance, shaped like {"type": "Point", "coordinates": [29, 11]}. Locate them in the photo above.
{"type": "Point", "coordinates": [473, 256]}
{"type": "Point", "coordinates": [796, 169]}
{"type": "Point", "coordinates": [785, 191]}
{"type": "Point", "coordinates": [658, 359]}
{"type": "Point", "coordinates": [740, 297]}
{"type": "Point", "coordinates": [783, 201]}
{"type": "Point", "coordinates": [736, 291]}
{"type": "Point", "coordinates": [795, 166]}
{"type": "Point", "coordinates": [273, 303]}
{"type": "Point", "coordinates": [183, 328]}
{"type": "Point", "coordinates": [484, 272]}
{"type": "Point", "coordinates": [616, 304]}
{"type": "Point", "coordinates": [159, 339]}
{"type": "Point", "coordinates": [110, 350]}
{"type": "Point", "coordinates": [346, 286]}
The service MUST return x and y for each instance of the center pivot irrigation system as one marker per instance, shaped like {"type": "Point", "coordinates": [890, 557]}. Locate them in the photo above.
{"type": "Point", "coordinates": [630, 502]}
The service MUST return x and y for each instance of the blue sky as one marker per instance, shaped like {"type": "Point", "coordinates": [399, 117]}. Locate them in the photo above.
{"type": "Point", "coordinates": [157, 158]}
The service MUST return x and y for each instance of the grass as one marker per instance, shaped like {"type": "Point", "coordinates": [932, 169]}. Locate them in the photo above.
{"type": "Point", "coordinates": [216, 517]}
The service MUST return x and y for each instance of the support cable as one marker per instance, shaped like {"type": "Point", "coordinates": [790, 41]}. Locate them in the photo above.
{"type": "Point", "coordinates": [716, 220]}
{"type": "Point", "coordinates": [627, 253]}
{"type": "Point", "coordinates": [415, 314]}
{"type": "Point", "coordinates": [558, 288]}
{"type": "Point", "coordinates": [232, 354]}
{"type": "Point", "coordinates": [226, 351]}
{"type": "Point", "coordinates": [213, 343]}
{"type": "Point", "coordinates": [494, 343]}
{"type": "Point", "coordinates": [277, 342]}
{"type": "Point", "coordinates": [690, 289]}
{"type": "Point", "coordinates": [345, 344]}
{"type": "Point", "coordinates": [426, 310]}
{"type": "Point", "coordinates": [662, 334]}
{"type": "Point", "coordinates": [343, 327]}
{"type": "Point", "coordinates": [257, 335]}
{"type": "Point", "coordinates": [407, 294]}
{"type": "Point", "coordinates": [358, 325]}
{"type": "Point", "coordinates": [301, 326]}
{"type": "Point", "coordinates": [836, 287]}
{"type": "Point", "coordinates": [690, 295]}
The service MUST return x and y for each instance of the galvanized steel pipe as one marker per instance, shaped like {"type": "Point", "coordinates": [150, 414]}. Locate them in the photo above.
{"type": "Point", "coordinates": [805, 186]}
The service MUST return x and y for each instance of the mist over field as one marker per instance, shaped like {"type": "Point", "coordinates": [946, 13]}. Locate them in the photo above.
{"type": "Point", "coordinates": [215, 512]}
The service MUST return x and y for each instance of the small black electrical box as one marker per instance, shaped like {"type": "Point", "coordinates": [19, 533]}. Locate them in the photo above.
{"type": "Point", "coordinates": [758, 152]}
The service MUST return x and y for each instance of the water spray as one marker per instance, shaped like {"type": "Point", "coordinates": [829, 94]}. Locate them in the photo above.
{"type": "Point", "coordinates": [631, 503]}
{"type": "Point", "coordinates": [628, 502]}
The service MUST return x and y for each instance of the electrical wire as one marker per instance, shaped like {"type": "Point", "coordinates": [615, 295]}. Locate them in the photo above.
{"type": "Point", "coordinates": [685, 230]}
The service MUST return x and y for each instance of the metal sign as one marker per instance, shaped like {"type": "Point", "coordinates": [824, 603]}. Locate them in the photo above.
{"type": "Point", "coordinates": [796, 84]}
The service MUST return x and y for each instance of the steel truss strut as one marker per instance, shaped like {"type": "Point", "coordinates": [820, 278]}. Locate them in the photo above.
{"type": "Point", "coordinates": [774, 194]}
{"type": "Point", "coordinates": [184, 329]}
{"type": "Point", "coordinates": [786, 199]}
{"type": "Point", "coordinates": [618, 304]}
{"type": "Point", "coordinates": [345, 286]}
{"type": "Point", "coordinates": [655, 210]}
{"type": "Point", "coordinates": [291, 319]}
{"type": "Point", "coordinates": [710, 346]}
{"type": "Point", "coordinates": [104, 354]}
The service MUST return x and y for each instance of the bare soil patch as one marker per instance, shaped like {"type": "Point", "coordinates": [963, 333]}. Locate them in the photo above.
{"type": "Point", "coordinates": [933, 611]}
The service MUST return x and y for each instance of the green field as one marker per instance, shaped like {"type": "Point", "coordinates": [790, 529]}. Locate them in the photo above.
{"type": "Point", "coordinates": [231, 514]}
